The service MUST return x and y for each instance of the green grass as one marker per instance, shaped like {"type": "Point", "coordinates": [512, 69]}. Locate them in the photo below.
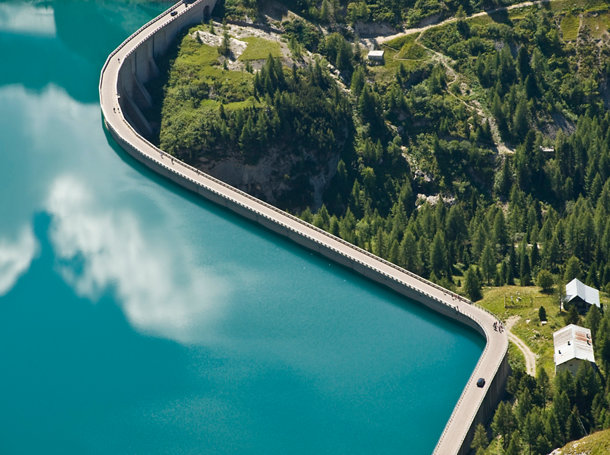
{"type": "Point", "coordinates": [525, 303]}
{"type": "Point", "coordinates": [594, 444]}
{"type": "Point", "coordinates": [577, 5]}
{"type": "Point", "coordinates": [599, 24]}
{"type": "Point", "coordinates": [198, 64]}
{"type": "Point", "coordinates": [259, 49]}
{"type": "Point", "coordinates": [516, 359]}
{"type": "Point", "coordinates": [411, 51]}
{"type": "Point", "coordinates": [411, 57]}
{"type": "Point", "coordinates": [198, 84]}
{"type": "Point", "coordinates": [401, 41]}
{"type": "Point", "coordinates": [569, 27]}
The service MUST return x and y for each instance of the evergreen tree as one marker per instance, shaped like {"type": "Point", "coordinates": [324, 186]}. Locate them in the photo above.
{"type": "Point", "coordinates": [593, 319]}
{"type": "Point", "coordinates": [524, 264]}
{"type": "Point", "coordinates": [358, 81]}
{"type": "Point", "coordinates": [542, 314]}
{"type": "Point", "coordinates": [500, 235]}
{"type": "Point", "coordinates": [479, 440]}
{"type": "Point", "coordinates": [472, 285]}
{"type": "Point", "coordinates": [513, 447]}
{"type": "Point", "coordinates": [503, 423]}
{"type": "Point", "coordinates": [592, 279]}
{"type": "Point", "coordinates": [523, 60]}
{"type": "Point", "coordinates": [520, 123]}
{"type": "Point", "coordinates": [512, 261]}
{"type": "Point", "coordinates": [488, 263]}
{"type": "Point", "coordinates": [574, 427]}
{"type": "Point", "coordinates": [438, 259]}
{"type": "Point", "coordinates": [572, 269]}
{"type": "Point", "coordinates": [534, 257]}
{"type": "Point", "coordinates": [572, 316]}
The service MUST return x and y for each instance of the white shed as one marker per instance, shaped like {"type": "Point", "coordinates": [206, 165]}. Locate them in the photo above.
{"type": "Point", "coordinates": [376, 57]}
{"type": "Point", "coordinates": [581, 295]}
{"type": "Point", "coordinates": [573, 346]}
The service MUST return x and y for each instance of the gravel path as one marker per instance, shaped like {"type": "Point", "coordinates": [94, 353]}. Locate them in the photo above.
{"type": "Point", "coordinates": [410, 31]}
{"type": "Point", "coordinates": [530, 357]}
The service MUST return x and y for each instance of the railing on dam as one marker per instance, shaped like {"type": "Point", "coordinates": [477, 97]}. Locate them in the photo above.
{"type": "Point", "coordinates": [473, 404]}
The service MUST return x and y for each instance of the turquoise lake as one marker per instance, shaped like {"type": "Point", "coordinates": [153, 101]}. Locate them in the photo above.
{"type": "Point", "coordinates": [136, 318]}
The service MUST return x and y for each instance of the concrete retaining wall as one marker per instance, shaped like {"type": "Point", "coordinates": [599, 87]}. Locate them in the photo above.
{"type": "Point", "coordinates": [122, 98]}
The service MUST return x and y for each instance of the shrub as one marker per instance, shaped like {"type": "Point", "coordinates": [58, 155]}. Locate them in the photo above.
{"type": "Point", "coordinates": [545, 280]}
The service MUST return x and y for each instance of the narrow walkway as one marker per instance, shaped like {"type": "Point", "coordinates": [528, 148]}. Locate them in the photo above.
{"type": "Point", "coordinates": [530, 357]}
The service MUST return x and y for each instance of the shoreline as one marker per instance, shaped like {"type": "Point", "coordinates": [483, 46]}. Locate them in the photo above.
{"type": "Point", "coordinates": [122, 92]}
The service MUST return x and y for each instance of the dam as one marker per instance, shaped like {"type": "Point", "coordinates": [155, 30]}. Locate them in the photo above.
{"type": "Point", "coordinates": [139, 318]}
{"type": "Point", "coordinates": [122, 90]}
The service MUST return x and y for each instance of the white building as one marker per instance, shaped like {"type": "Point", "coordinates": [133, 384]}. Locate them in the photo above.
{"type": "Point", "coordinates": [573, 346]}
{"type": "Point", "coordinates": [581, 295]}
{"type": "Point", "coordinates": [375, 57]}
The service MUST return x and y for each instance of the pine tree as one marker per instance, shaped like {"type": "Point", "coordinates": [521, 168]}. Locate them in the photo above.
{"type": "Point", "coordinates": [523, 60]}
{"type": "Point", "coordinates": [357, 81]}
{"type": "Point", "coordinates": [513, 446]}
{"type": "Point", "coordinates": [479, 440]}
{"type": "Point", "coordinates": [520, 123]}
{"type": "Point", "coordinates": [438, 258]}
{"type": "Point", "coordinates": [541, 314]}
{"type": "Point", "coordinates": [488, 263]}
{"type": "Point", "coordinates": [534, 257]}
{"type": "Point", "coordinates": [500, 235]}
{"type": "Point", "coordinates": [592, 279]}
{"type": "Point", "coordinates": [512, 262]}
{"type": "Point", "coordinates": [472, 286]}
{"type": "Point", "coordinates": [503, 423]}
{"type": "Point", "coordinates": [524, 266]}
{"type": "Point", "coordinates": [593, 319]}
{"type": "Point", "coordinates": [572, 316]}
{"type": "Point", "coordinates": [574, 428]}
{"type": "Point", "coordinates": [572, 269]}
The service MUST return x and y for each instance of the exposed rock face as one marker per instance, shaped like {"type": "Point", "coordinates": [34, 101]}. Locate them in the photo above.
{"type": "Point", "coordinates": [285, 180]}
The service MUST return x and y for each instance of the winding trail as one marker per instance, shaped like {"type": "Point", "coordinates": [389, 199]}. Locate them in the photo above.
{"type": "Point", "coordinates": [410, 31]}
{"type": "Point", "coordinates": [530, 357]}
{"type": "Point", "coordinates": [474, 105]}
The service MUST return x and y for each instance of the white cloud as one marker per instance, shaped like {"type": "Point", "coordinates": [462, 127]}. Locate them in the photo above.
{"type": "Point", "coordinates": [27, 19]}
{"type": "Point", "coordinates": [15, 258]}
{"type": "Point", "coordinates": [160, 290]}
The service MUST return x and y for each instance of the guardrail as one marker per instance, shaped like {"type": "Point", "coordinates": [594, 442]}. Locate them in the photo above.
{"type": "Point", "coordinates": [138, 31]}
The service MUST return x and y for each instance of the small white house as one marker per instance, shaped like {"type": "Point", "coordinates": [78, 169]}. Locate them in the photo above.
{"type": "Point", "coordinates": [581, 295]}
{"type": "Point", "coordinates": [573, 346]}
{"type": "Point", "coordinates": [375, 57]}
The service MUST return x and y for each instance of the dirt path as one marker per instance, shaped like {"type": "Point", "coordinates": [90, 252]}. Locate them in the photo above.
{"type": "Point", "coordinates": [530, 357]}
{"type": "Point", "coordinates": [384, 38]}
{"type": "Point", "coordinates": [472, 105]}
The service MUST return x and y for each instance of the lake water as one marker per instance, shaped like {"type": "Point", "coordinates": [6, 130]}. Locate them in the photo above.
{"type": "Point", "coordinates": [136, 318]}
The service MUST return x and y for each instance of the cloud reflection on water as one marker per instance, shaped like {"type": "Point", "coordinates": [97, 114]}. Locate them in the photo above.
{"type": "Point", "coordinates": [27, 19]}
{"type": "Point", "coordinates": [159, 288]}
{"type": "Point", "coordinates": [15, 258]}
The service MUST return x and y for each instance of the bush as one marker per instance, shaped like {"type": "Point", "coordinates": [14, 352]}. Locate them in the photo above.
{"type": "Point", "coordinates": [545, 280]}
{"type": "Point", "coordinates": [542, 314]}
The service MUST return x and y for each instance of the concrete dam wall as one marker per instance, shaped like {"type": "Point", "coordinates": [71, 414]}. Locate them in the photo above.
{"type": "Point", "coordinates": [123, 98]}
